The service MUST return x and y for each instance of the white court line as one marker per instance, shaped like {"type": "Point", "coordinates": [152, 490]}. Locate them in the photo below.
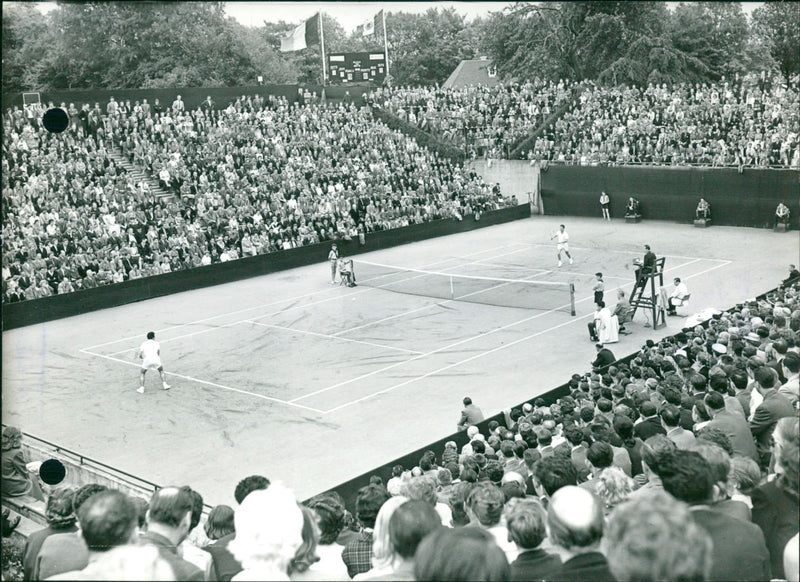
{"type": "Point", "coordinates": [327, 336]}
{"type": "Point", "coordinates": [218, 327]}
{"type": "Point", "coordinates": [573, 320]}
{"type": "Point", "coordinates": [215, 385]}
{"type": "Point", "coordinates": [294, 298]}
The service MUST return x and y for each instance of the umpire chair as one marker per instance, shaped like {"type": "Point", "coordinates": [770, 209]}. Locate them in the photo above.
{"type": "Point", "coordinates": [646, 282]}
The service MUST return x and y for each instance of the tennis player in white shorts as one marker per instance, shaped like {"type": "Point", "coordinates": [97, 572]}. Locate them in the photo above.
{"type": "Point", "coordinates": [150, 354]}
{"type": "Point", "coordinates": [562, 238]}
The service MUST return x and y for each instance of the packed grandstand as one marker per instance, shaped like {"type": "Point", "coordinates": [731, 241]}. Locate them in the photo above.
{"type": "Point", "coordinates": [263, 174]}
{"type": "Point", "coordinates": [678, 462]}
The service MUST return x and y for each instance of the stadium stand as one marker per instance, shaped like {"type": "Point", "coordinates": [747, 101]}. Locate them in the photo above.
{"type": "Point", "coordinates": [257, 177]}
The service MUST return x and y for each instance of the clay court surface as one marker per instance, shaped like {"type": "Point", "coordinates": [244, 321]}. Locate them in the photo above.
{"type": "Point", "coordinates": [309, 383]}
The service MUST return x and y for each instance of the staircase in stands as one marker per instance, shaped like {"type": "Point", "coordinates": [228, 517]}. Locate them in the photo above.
{"type": "Point", "coordinates": [138, 173]}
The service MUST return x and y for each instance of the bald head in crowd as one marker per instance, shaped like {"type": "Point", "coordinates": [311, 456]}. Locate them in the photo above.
{"type": "Point", "coordinates": [575, 518]}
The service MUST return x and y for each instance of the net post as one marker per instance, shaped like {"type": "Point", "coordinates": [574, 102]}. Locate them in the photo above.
{"type": "Point", "coordinates": [572, 299]}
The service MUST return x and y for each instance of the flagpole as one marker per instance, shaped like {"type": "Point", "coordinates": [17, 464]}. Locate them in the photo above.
{"type": "Point", "coordinates": [322, 46]}
{"type": "Point", "coordinates": [385, 42]}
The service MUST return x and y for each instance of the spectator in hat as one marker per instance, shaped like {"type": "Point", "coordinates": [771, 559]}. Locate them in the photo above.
{"type": "Point", "coordinates": [575, 522]}
{"type": "Point", "coordinates": [60, 519]}
{"type": "Point", "coordinates": [656, 539]}
{"type": "Point", "coordinates": [527, 528]}
{"type": "Point", "coordinates": [470, 415]}
{"type": "Point", "coordinates": [17, 480]}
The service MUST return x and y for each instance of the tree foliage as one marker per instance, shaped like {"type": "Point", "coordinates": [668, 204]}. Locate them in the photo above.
{"type": "Point", "coordinates": [776, 27]}
{"type": "Point", "coordinates": [172, 44]}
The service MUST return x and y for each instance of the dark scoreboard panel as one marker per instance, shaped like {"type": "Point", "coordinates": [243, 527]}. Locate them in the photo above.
{"type": "Point", "coordinates": [357, 67]}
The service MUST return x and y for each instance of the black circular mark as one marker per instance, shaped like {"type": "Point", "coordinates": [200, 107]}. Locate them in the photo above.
{"type": "Point", "coordinates": [52, 471]}
{"type": "Point", "coordinates": [55, 120]}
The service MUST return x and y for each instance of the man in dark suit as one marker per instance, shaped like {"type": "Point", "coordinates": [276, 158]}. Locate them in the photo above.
{"type": "Point", "coordinates": [650, 423]}
{"type": "Point", "coordinates": [739, 550]}
{"type": "Point", "coordinates": [575, 518]}
{"type": "Point", "coordinates": [774, 407]}
{"type": "Point", "coordinates": [575, 438]}
{"type": "Point", "coordinates": [526, 523]}
{"type": "Point", "coordinates": [470, 416]}
{"type": "Point", "coordinates": [648, 264]}
{"type": "Point", "coordinates": [604, 357]}
{"type": "Point", "coordinates": [732, 424]}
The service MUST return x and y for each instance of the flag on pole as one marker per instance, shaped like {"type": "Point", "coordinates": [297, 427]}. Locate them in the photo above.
{"type": "Point", "coordinates": [371, 26]}
{"type": "Point", "coordinates": [303, 36]}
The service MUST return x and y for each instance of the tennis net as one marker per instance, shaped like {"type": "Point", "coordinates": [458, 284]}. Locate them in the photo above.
{"type": "Point", "coordinates": [519, 293]}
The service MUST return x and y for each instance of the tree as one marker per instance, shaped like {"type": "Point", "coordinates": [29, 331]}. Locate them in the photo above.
{"type": "Point", "coordinates": [776, 26]}
{"type": "Point", "coordinates": [27, 38]}
{"type": "Point", "coordinates": [425, 48]}
{"type": "Point", "coordinates": [714, 34]}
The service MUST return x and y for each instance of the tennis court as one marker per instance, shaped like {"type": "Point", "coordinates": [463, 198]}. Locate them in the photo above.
{"type": "Point", "coordinates": [311, 383]}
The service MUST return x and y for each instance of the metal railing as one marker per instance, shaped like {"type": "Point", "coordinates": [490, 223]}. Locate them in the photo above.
{"type": "Point", "coordinates": [117, 474]}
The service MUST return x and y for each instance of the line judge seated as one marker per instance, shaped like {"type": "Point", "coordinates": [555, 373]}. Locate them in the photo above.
{"type": "Point", "coordinates": [703, 211]}
{"type": "Point", "coordinates": [678, 296]}
{"type": "Point", "coordinates": [632, 208]}
{"type": "Point", "coordinates": [346, 272]}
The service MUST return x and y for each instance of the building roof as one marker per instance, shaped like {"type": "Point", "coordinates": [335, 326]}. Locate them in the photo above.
{"type": "Point", "coordinates": [471, 72]}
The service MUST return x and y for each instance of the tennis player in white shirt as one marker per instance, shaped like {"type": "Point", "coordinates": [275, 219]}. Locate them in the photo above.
{"type": "Point", "coordinates": [562, 237]}
{"type": "Point", "coordinates": [150, 354]}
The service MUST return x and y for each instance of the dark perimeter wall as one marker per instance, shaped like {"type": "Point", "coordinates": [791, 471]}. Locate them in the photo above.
{"type": "Point", "coordinates": [58, 306]}
{"type": "Point", "coordinates": [737, 199]}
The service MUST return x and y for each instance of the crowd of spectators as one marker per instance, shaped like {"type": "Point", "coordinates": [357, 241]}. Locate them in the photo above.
{"type": "Point", "coordinates": [752, 121]}
{"type": "Point", "coordinates": [259, 176]}
{"type": "Point", "coordinates": [682, 463]}
{"type": "Point", "coordinates": [483, 120]}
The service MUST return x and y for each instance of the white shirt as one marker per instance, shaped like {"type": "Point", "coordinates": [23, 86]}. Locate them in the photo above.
{"type": "Point", "coordinates": [149, 350]}
{"type": "Point", "coordinates": [562, 236]}
{"type": "Point", "coordinates": [680, 291]}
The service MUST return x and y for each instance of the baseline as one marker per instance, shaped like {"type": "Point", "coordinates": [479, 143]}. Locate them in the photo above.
{"type": "Point", "coordinates": [206, 382]}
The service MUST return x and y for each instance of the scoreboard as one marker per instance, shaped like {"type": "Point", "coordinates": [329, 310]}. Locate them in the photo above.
{"type": "Point", "coordinates": [357, 68]}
